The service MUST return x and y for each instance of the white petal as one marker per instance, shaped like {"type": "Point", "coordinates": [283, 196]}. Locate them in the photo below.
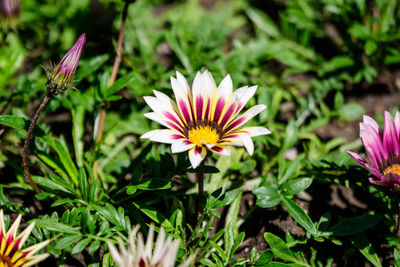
{"type": "Point", "coordinates": [208, 82]}
{"type": "Point", "coordinates": [195, 157]}
{"type": "Point", "coordinates": [243, 95]}
{"type": "Point", "coordinates": [256, 130]}
{"type": "Point", "coordinates": [248, 143]}
{"type": "Point", "coordinates": [181, 146]}
{"type": "Point", "coordinates": [225, 87]}
{"type": "Point", "coordinates": [181, 79]}
{"type": "Point", "coordinates": [115, 254]}
{"type": "Point", "coordinates": [162, 136]}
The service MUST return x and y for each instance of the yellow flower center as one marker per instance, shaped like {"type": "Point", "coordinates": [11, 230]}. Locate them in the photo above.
{"type": "Point", "coordinates": [202, 134]}
{"type": "Point", "coordinates": [395, 168]}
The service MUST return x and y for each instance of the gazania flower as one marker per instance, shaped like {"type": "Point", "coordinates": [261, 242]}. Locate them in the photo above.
{"type": "Point", "coordinates": [62, 74]}
{"type": "Point", "coordinates": [11, 252]}
{"type": "Point", "coordinates": [382, 148]}
{"type": "Point", "coordinates": [204, 117]}
{"type": "Point", "coordinates": [138, 254]}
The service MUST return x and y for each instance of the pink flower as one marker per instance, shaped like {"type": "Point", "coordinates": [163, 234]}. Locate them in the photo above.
{"type": "Point", "coordinates": [9, 8]}
{"type": "Point", "coordinates": [62, 74]}
{"type": "Point", "coordinates": [382, 148]}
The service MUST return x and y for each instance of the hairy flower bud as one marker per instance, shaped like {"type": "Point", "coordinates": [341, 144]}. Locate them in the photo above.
{"type": "Point", "coordinates": [61, 75]}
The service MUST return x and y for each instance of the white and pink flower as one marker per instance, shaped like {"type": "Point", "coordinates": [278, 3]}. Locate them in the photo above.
{"type": "Point", "coordinates": [204, 117]}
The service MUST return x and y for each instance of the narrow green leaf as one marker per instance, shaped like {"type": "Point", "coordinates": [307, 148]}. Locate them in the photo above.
{"type": "Point", "coordinates": [82, 183]}
{"type": "Point", "coordinates": [120, 83]}
{"type": "Point", "coordinates": [51, 225]}
{"type": "Point", "coordinates": [78, 116]}
{"type": "Point", "coordinates": [20, 123]}
{"type": "Point", "coordinates": [81, 245]}
{"type": "Point", "coordinates": [66, 160]}
{"type": "Point", "coordinates": [153, 214]}
{"type": "Point", "coordinates": [87, 67]}
{"type": "Point", "coordinates": [267, 196]}
{"type": "Point", "coordinates": [365, 247]}
{"type": "Point", "coordinates": [354, 225]}
{"type": "Point", "coordinates": [295, 186]}
{"type": "Point", "coordinates": [279, 247]}
{"type": "Point", "coordinates": [263, 22]}
{"type": "Point", "coordinates": [299, 215]}
{"type": "Point", "coordinates": [67, 241]}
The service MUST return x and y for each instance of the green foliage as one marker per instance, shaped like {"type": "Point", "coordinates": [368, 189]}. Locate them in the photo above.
{"type": "Point", "coordinates": [310, 59]}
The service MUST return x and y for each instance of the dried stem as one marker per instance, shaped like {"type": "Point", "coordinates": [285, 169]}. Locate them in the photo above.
{"type": "Point", "coordinates": [117, 61]}
{"type": "Point", "coordinates": [25, 151]}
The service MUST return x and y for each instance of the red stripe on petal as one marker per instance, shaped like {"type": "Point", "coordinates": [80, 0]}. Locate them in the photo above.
{"type": "Point", "coordinates": [218, 109]}
{"type": "Point", "coordinates": [176, 136]}
{"type": "Point", "coordinates": [217, 149]}
{"type": "Point", "coordinates": [199, 106]}
{"type": "Point", "coordinates": [173, 126]}
{"type": "Point", "coordinates": [235, 124]}
{"type": "Point", "coordinates": [207, 109]}
{"type": "Point", "coordinates": [184, 109]}
{"type": "Point", "coordinates": [198, 149]}
{"type": "Point", "coordinates": [186, 142]}
{"type": "Point", "coordinates": [227, 115]}
{"type": "Point", "coordinates": [172, 118]}
{"type": "Point", "coordinates": [9, 239]}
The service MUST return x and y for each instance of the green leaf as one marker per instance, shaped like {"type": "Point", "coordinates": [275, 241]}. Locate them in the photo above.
{"type": "Point", "coordinates": [337, 63]}
{"type": "Point", "coordinates": [267, 196]}
{"type": "Point", "coordinates": [290, 135]}
{"type": "Point", "coordinates": [119, 84]}
{"type": "Point", "coordinates": [78, 116]}
{"type": "Point", "coordinates": [87, 67]}
{"type": "Point", "coordinates": [354, 225]}
{"type": "Point", "coordinates": [51, 225]}
{"type": "Point", "coordinates": [49, 184]}
{"type": "Point", "coordinates": [66, 160]}
{"type": "Point", "coordinates": [82, 183]}
{"type": "Point", "coordinates": [154, 184]}
{"type": "Point", "coordinates": [291, 170]}
{"type": "Point", "coordinates": [358, 30]}
{"type": "Point", "coordinates": [67, 241]}
{"type": "Point", "coordinates": [153, 214]}
{"type": "Point", "coordinates": [299, 215]}
{"type": "Point", "coordinates": [263, 22]}
{"type": "Point", "coordinates": [279, 248]}
{"type": "Point", "coordinates": [180, 53]}
{"type": "Point", "coordinates": [81, 245]}
{"type": "Point", "coordinates": [265, 257]}
{"type": "Point", "coordinates": [365, 247]}
{"type": "Point", "coordinates": [351, 111]}
{"type": "Point", "coordinates": [370, 47]}
{"type": "Point", "coordinates": [20, 123]}
{"type": "Point", "coordinates": [295, 186]}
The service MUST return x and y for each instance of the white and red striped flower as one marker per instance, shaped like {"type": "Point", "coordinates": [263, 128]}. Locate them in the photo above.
{"type": "Point", "coordinates": [204, 117]}
{"type": "Point", "coordinates": [12, 253]}
{"type": "Point", "coordinates": [382, 148]}
{"type": "Point", "coordinates": [138, 253]}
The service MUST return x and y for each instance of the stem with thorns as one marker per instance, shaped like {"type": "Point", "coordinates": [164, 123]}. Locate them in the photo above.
{"type": "Point", "coordinates": [117, 61]}
{"type": "Point", "coordinates": [25, 151]}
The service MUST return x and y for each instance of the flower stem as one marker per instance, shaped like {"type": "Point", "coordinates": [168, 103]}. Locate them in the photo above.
{"type": "Point", "coordinates": [200, 179]}
{"type": "Point", "coordinates": [25, 151]}
{"type": "Point", "coordinates": [117, 62]}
